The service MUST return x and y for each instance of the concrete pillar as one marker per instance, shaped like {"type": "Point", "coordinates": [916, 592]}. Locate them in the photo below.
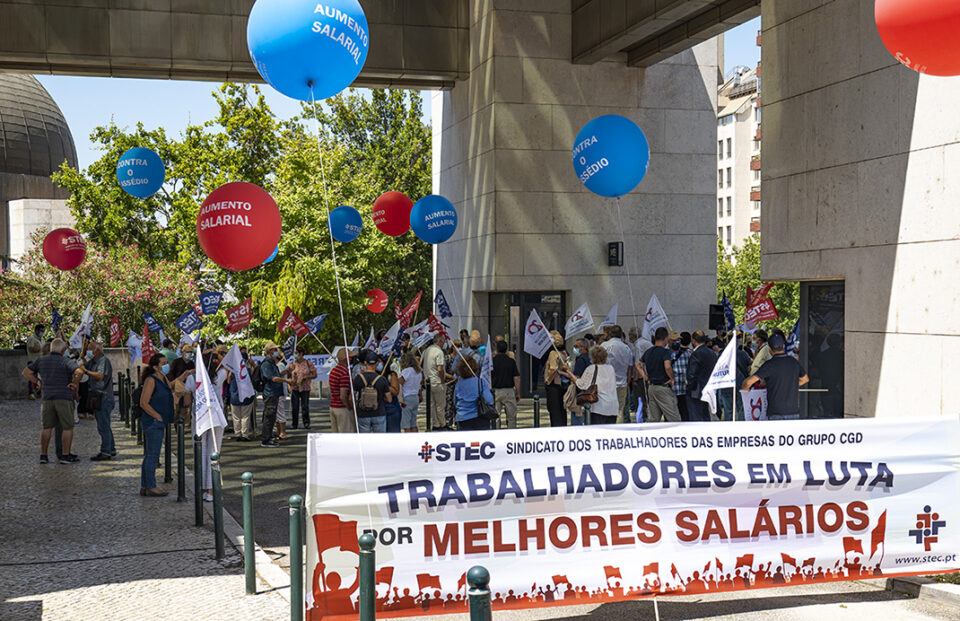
{"type": "Point", "coordinates": [502, 156]}
{"type": "Point", "coordinates": [860, 183]}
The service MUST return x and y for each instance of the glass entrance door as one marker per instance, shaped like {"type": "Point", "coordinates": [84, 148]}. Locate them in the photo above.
{"type": "Point", "coordinates": [822, 348]}
{"type": "Point", "coordinates": [508, 314]}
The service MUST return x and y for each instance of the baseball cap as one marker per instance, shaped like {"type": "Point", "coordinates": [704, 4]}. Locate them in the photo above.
{"type": "Point", "coordinates": [776, 342]}
{"type": "Point", "coordinates": [371, 357]}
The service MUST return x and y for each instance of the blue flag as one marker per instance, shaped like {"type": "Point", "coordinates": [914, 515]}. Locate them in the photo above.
{"type": "Point", "coordinates": [188, 322]}
{"type": "Point", "coordinates": [152, 324]}
{"type": "Point", "coordinates": [793, 339]}
{"type": "Point", "coordinates": [210, 302]}
{"type": "Point", "coordinates": [398, 344]}
{"type": "Point", "coordinates": [316, 323]}
{"type": "Point", "coordinates": [55, 319]}
{"type": "Point", "coordinates": [728, 317]}
{"type": "Point", "coordinates": [443, 309]}
{"type": "Point", "coordinates": [288, 347]}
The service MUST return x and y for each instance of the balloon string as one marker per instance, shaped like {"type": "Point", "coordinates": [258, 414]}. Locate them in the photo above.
{"type": "Point", "coordinates": [343, 323]}
{"type": "Point", "coordinates": [623, 241]}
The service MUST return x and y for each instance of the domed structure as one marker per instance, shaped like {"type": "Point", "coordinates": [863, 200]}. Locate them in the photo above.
{"type": "Point", "coordinates": [34, 137]}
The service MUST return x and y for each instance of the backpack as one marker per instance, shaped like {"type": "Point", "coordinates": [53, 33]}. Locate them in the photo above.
{"type": "Point", "coordinates": [369, 398]}
{"type": "Point", "coordinates": [256, 378]}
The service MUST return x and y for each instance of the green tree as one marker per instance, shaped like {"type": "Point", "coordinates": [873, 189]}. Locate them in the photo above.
{"type": "Point", "coordinates": [739, 269]}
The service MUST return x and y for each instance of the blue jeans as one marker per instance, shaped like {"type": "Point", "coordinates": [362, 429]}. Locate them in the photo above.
{"type": "Point", "coordinates": [153, 431]}
{"type": "Point", "coordinates": [102, 415]}
{"type": "Point", "coordinates": [374, 424]}
{"type": "Point", "coordinates": [724, 404]}
{"type": "Point", "coordinates": [576, 419]}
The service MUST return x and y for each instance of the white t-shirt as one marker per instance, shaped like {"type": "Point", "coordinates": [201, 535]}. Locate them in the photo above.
{"type": "Point", "coordinates": [411, 381]}
{"type": "Point", "coordinates": [218, 384]}
{"type": "Point", "coordinates": [607, 403]}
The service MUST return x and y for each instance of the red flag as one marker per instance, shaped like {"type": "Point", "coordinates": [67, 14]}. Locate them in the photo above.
{"type": "Point", "coordinates": [719, 564]}
{"type": "Point", "coordinates": [764, 310]}
{"type": "Point", "coordinates": [405, 316]}
{"type": "Point", "coordinates": [289, 320]}
{"type": "Point", "coordinates": [428, 581]}
{"type": "Point", "coordinates": [332, 533]}
{"type": "Point", "coordinates": [612, 572]}
{"type": "Point", "coordinates": [114, 331]}
{"type": "Point", "coordinates": [744, 561]}
{"type": "Point", "coordinates": [198, 309]}
{"type": "Point", "coordinates": [851, 544]}
{"type": "Point", "coordinates": [788, 560]}
{"type": "Point", "coordinates": [652, 568]}
{"type": "Point", "coordinates": [239, 316]}
{"type": "Point", "coordinates": [385, 574]}
{"type": "Point", "coordinates": [755, 297]}
{"type": "Point", "coordinates": [560, 580]}
{"type": "Point", "coordinates": [878, 534]}
{"type": "Point", "coordinates": [808, 562]}
{"type": "Point", "coordinates": [147, 349]}
{"type": "Point", "coordinates": [462, 582]}
{"type": "Point", "coordinates": [673, 571]}
{"type": "Point", "coordinates": [436, 326]}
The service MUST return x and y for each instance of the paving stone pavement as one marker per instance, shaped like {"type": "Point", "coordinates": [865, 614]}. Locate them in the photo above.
{"type": "Point", "coordinates": [78, 542]}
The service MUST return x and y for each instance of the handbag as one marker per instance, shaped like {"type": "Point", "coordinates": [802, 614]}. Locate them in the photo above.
{"type": "Point", "coordinates": [590, 395]}
{"type": "Point", "coordinates": [485, 410]}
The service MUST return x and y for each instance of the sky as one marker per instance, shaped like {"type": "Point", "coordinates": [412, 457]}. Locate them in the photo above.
{"type": "Point", "coordinates": [173, 104]}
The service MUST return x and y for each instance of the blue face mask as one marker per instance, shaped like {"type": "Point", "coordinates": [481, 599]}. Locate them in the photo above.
{"type": "Point", "coordinates": [296, 356]}
{"type": "Point", "coordinates": [165, 369]}
{"type": "Point", "coordinates": [188, 356]}
{"type": "Point", "coordinates": [89, 355]}
{"type": "Point", "coordinates": [276, 354]}
{"type": "Point", "coordinates": [379, 366]}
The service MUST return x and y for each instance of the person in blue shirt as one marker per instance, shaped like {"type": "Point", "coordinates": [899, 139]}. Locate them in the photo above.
{"type": "Point", "coordinates": [272, 393]}
{"type": "Point", "coordinates": [470, 388]}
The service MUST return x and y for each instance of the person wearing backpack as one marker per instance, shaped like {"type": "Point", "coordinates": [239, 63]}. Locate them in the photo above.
{"type": "Point", "coordinates": [272, 383]}
{"type": "Point", "coordinates": [372, 391]}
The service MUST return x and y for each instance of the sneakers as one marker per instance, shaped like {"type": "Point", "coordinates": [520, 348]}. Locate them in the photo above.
{"type": "Point", "coordinates": [101, 457]}
{"type": "Point", "coordinates": [207, 497]}
{"type": "Point", "coordinates": [44, 459]}
{"type": "Point", "coordinates": [69, 459]}
{"type": "Point", "coordinates": [270, 444]}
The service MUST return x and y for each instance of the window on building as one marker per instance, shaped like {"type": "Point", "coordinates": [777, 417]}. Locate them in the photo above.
{"type": "Point", "coordinates": [729, 235]}
{"type": "Point", "coordinates": [729, 177]}
{"type": "Point", "coordinates": [757, 113]}
{"type": "Point", "coordinates": [756, 175]}
{"type": "Point", "coordinates": [719, 207]}
{"type": "Point", "coordinates": [720, 178]}
{"type": "Point", "coordinates": [729, 206]}
{"type": "Point", "coordinates": [729, 147]}
{"type": "Point", "coordinates": [756, 205]}
{"type": "Point", "coordinates": [720, 149]}
{"type": "Point", "coordinates": [720, 233]}
{"type": "Point", "coordinates": [756, 146]}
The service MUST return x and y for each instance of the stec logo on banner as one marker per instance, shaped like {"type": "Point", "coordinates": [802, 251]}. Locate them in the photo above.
{"type": "Point", "coordinates": [457, 451]}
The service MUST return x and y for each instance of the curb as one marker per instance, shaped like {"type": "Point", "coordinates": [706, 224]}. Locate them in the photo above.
{"type": "Point", "coordinates": [927, 589]}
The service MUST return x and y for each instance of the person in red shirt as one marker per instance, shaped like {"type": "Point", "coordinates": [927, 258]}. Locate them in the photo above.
{"type": "Point", "coordinates": [342, 419]}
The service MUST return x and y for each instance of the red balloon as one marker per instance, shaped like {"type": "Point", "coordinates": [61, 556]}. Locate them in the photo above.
{"type": "Point", "coordinates": [64, 249]}
{"type": "Point", "coordinates": [238, 226]}
{"type": "Point", "coordinates": [921, 34]}
{"type": "Point", "coordinates": [391, 213]}
{"type": "Point", "coordinates": [376, 301]}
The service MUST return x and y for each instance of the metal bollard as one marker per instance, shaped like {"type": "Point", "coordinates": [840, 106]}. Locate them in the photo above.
{"type": "Point", "coordinates": [217, 504]}
{"type": "Point", "coordinates": [296, 559]}
{"type": "Point", "coordinates": [134, 423]}
{"type": "Point", "coordinates": [429, 415]}
{"type": "Point", "coordinates": [140, 441]}
{"type": "Point", "coordinates": [249, 560]}
{"type": "Point", "coordinates": [479, 580]}
{"type": "Point", "coordinates": [167, 455]}
{"type": "Point", "coordinates": [536, 410]}
{"type": "Point", "coordinates": [368, 571]}
{"type": "Point", "coordinates": [120, 396]}
{"type": "Point", "coordinates": [586, 414]}
{"type": "Point", "coordinates": [197, 482]}
{"type": "Point", "coordinates": [181, 462]}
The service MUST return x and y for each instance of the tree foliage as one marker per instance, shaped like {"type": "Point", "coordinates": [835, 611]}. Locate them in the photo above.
{"type": "Point", "coordinates": [739, 269]}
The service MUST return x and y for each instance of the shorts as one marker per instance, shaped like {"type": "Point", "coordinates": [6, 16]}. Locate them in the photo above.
{"type": "Point", "coordinates": [57, 411]}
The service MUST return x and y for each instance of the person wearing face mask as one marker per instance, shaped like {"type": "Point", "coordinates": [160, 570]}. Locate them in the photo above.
{"type": "Point", "coordinates": [180, 369]}
{"type": "Point", "coordinates": [272, 393]}
{"type": "Point", "coordinates": [156, 403]}
{"type": "Point", "coordinates": [762, 351]}
{"type": "Point", "coordinates": [303, 372]}
{"type": "Point", "coordinates": [98, 369]}
{"type": "Point", "coordinates": [372, 391]}
{"type": "Point", "coordinates": [680, 346]}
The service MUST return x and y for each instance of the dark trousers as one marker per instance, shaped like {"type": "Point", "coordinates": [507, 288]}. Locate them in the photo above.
{"type": "Point", "coordinates": [153, 431]}
{"type": "Point", "coordinates": [473, 424]}
{"type": "Point", "coordinates": [558, 415]}
{"type": "Point", "coordinates": [269, 418]}
{"type": "Point", "coordinates": [697, 410]}
{"type": "Point", "coordinates": [300, 398]}
{"type": "Point", "coordinates": [682, 406]}
{"type": "Point", "coordinates": [107, 446]}
{"type": "Point", "coordinates": [602, 419]}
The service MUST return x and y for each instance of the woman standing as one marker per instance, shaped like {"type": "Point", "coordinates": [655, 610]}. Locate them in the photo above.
{"type": "Point", "coordinates": [156, 401]}
{"type": "Point", "coordinates": [604, 411]}
{"type": "Point", "coordinates": [411, 378]}
{"type": "Point", "coordinates": [469, 389]}
{"type": "Point", "coordinates": [393, 408]}
{"type": "Point", "coordinates": [553, 380]}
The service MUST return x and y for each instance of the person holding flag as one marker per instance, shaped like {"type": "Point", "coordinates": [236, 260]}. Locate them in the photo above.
{"type": "Point", "coordinates": [242, 394]}
{"type": "Point", "coordinates": [272, 393]}
{"type": "Point", "coordinates": [208, 412]}
{"type": "Point", "coordinates": [700, 368]}
{"type": "Point", "coordinates": [656, 367]}
{"type": "Point", "coordinates": [783, 376]}
{"type": "Point", "coordinates": [98, 368]}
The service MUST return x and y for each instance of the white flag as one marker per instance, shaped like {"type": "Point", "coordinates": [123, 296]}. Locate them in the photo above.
{"type": "Point", "coordinates": [76, 339]}
{"type": "Point", "coordinates": [162, 337]}
{"type": "Point", "coordinates": [611, 318]}
{"type": "Point", "coordinates": [754, 403]}
{"type": "Point", "coordinates": [371, 343]}
{"type": "Point", "coordinates": [580, 321]}
{"type": "Point", "coordinates": [207, 408]}
{"type": "Point", "coordinates": [234, 363]}
{"type": "Point", "coordinates": [356, 340]}
{"type": "Point", "coordinates": [420, 334]}
{"type": "Point", "coordinates": [386, 345]}
{"type": "Point", "coordinates": [487, 368]}
{"type": "Point", "coordinates": [655, 318]}
{"type": "Point", "coordinates": [536, 337]}
{"type": "Point", "coordinates": [724, 374]}
{"type": "Point", "coordinates": [135, 347]}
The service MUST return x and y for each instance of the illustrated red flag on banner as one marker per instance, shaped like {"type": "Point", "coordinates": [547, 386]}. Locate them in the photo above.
{"type": "Point", "coordinates": [333, 533]}
{"type": "Point", "coordinates": [462, 582]}
{"type": "Point", "coordinates": [289, 320]}
{"type": "Point", "coordinates": [673, 571]}
{"type": "Point", "coordinates": [612, 572]}
{"type": "Point", "coordinates": [239, 316]}
{"type": "Point", "coordinates": [878, 534]}
{"type": "Point", "coordinates": [560, 580]}
{"type": "Point", "coordinates": [405, 316]}
{"type": "Point", "coordinates": [851, 544]}
{"type": "Point", "coordinates": [744, 561]}
{"type": "Point", "coordinates": [385, 574]}
{"type": "Point", "coordinates": [147, 349]}
{"type": "Point", "coordinates": [428, 581]}
{"type": "Point", "coordinates": [114, 331]}
{"type": "Point", "coordinates": [652, 568]}
{"type": "Point", "coordinates": [788, 560]}
{"type": "Point", "coordinates": [755, 297]}
{"type": "Point", "coordinates": [706, 567]}
{"type": "Point", "coordinates": [719, 564]}
{"type": "Point", "coordinates": [808, 562]}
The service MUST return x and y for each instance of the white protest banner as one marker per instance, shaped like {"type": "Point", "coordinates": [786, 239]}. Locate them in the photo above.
{"type": "Point", "coordinates": [234, 363]}
{"type": "Point", "coordinates": [654, 318]}
{"type": "Point", "coordinates": [86, 321]}
{"type": "Point", "coordinates": [421, 334]}
{"type": "Point", "coordinates": [723, 376]}
{"type": "Point", "coordinates": [388, 340]}
{"type": "Point", "coordinates": [536, 337]}
{"type": "Point", "coordinates": [207, 408]}
{"type": "Point", "coordinates": [754, 404]}
{"type": "Point", "coordinates": [611, 319]}
{"type": "Point", "coordinates": [134, 347]}
{"type": "Point", "coordinates": [323, 363]}
{"type": "Point", "coordinates": [629, 510]}
{"type": "Point", "coordinates": [580, 321]}
{"type": "Point", "coordinates": [371, 343]}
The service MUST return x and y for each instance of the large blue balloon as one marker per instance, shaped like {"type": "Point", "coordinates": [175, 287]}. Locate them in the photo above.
{"type": "Point", "coordinates": [433, 219]}
{"type": "Point", "coordinates": [273, 255]}
{"type": "Point", "coordinates": [611, 155]}
{"type": "Point", "coordinates": [296, 44]}
{"type": "Point", "coordinates": [345, 224]}
{"type": "Point", "coordinates": [140, 172]}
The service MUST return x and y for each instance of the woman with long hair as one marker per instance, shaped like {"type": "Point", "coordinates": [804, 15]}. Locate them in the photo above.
{"type": "Point", "coordinates": [411, 378]}
{"type": "Point", "coordinates": [156, 402]}
{"type": "Point", "coordinates": [470, 388]}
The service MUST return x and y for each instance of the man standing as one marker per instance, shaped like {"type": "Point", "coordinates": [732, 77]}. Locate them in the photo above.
{"type": "Point", "coordinates": [784, 376]}
{"type": "Point", "coordinates": [656, 368]}
{"type": "Point", "coordinates": [182, 398]}
{"type": "Point", "coordinates": [373, 392]}
{"type": "Point", "coordinates": [702, 361]}
{"type": "Point", "coordinates": [34, 345]}
{"type": "Point", "coordinates": [433, 371]}
{"type": "Point", "coordinates": [100, 372]}
{"type": "Point", "coordinates": [763, 351]}
{"type": "Point", "coordinates": [505, 378]}
{"type": "Point", "coordinates": [167, 351]}
{"type": "Point", "coordinates": [341, 400]}
{"type": "Point", "coordinates": [681, 362]}
{"type": "Point", "coordinates": [621, 358]}
{"type": "Point", "coordinates": [272, 393]}
{"type": "Point", "coordinates": [303, 372]}
{"type": "Point", "coordinates": [60, 376]}
{"type": "Point", "coordinates": [241, 410]}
